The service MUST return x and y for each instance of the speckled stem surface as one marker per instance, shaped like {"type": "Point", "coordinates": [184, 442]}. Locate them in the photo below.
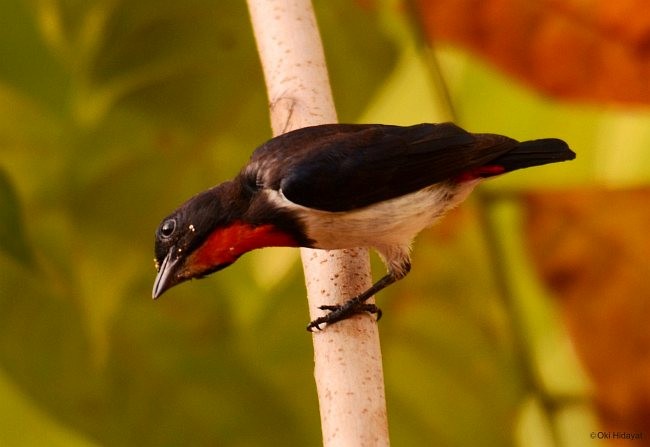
{"type": "Point", "coordinates": [347, 355]}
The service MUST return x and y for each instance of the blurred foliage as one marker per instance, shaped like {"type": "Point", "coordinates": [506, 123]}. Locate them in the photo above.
{"type": "Point", "coordinates": [593, 50]}
{"type": "Point", "coordinates": [112, 113]}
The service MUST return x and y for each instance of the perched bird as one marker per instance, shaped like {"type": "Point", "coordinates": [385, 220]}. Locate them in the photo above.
{"type": "Point", "coordinates": [338, 186]}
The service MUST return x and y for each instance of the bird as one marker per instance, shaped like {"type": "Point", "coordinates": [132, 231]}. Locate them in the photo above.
{"type": "Point", "coordinates": [338, 186]}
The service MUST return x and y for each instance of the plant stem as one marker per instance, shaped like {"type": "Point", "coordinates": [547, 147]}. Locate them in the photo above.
{"type": "Point", "coordinates": [347, 355]}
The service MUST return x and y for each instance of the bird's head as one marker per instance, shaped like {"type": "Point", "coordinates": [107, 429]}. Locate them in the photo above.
{"type": "Point", "coordinates": [211, 231]}
{"type": "Point", "coordinates": [192, 241]}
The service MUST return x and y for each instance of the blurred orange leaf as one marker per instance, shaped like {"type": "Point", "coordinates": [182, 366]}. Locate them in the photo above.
{"type": "Point", "coordinates": [593, 50]}
{"type": "Point", "coordinates": [591, 248]}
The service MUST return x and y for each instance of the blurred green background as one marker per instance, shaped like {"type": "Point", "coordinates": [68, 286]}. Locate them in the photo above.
{"type": "Point", "coordinates": [112, 113]}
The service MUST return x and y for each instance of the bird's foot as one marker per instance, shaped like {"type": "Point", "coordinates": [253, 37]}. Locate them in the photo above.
{"type": "Point", "coordinates": [343, 311]}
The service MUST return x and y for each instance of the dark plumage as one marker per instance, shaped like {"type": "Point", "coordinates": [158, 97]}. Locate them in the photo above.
{"type": "Point", "coordinates": [339, 186]}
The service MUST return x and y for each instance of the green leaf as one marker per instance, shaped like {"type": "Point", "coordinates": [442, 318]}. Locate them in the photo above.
{"type": "Point", "coordinates": [30, 425]}
{"type": "Point", "coordinates": [12, 228]}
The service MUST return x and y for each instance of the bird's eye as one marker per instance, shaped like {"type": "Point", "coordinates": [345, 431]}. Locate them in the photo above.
{"type": "Point", "coordinates": [167, 228]}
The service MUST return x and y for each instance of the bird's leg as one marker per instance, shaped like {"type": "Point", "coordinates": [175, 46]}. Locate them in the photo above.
{"type": "Point", "coordinates": [358, 304]}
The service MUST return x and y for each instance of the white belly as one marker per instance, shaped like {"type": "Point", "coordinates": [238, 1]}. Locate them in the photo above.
{"type": "Point", "coordinates": [389, 223]}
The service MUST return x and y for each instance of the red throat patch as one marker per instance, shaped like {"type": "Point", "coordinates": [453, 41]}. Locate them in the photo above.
{"type": "Point", "coordinates": [225, 245]}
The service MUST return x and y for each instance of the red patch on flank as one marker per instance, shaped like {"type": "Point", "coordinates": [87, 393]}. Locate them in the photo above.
{"type": "Point", "coordinates": [480, 172]}
{"type": "Point", "coordinates": [227, 244]}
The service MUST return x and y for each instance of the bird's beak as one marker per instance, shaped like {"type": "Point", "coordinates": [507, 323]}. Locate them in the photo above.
{"type": "Point", "coordinates": [166, 277]}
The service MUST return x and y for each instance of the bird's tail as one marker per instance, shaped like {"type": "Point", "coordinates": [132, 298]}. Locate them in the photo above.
{"type": "Point", "coordinates": [535, 153]}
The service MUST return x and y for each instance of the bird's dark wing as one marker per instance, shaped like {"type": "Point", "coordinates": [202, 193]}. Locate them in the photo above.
{"type": "Point", "coordinates": [340, 167]}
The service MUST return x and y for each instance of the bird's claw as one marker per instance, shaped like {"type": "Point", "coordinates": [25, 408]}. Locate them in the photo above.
{"type": "Point", "coordinates": [343, 311]}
